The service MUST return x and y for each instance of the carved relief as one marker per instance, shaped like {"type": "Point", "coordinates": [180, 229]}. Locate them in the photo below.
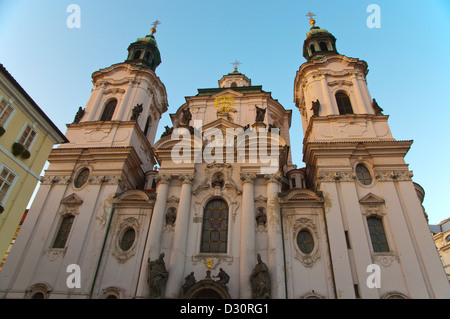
{"type": "Point", "coordinates": [388, 176]}
{"type": "Point", "coordinates": [386, 260]}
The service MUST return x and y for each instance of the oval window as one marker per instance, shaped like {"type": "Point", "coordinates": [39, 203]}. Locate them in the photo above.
{"type": "Point", "coordinates": [82, 177]}
{"type": "Point", "coordinates": [363, 174]}
{"type": "Point", "coordinates": [305, 241]}
{"type": "Point", "coordinates": [127, 239]}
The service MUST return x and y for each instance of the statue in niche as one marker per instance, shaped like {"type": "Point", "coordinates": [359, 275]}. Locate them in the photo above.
{"type": "Point", "coordinates": [189, 281]}
{"type": "Point", "coordinates": [218, 181]}
{"type": "Point", "coordinates": [79, 115]}
{"type": "Point", "coordinates": [224, 278]}
{"type": "Point", "coordinates": [137, 110]}
{"type": "Point", "coordinates": [157, 277]}
{"type": "Point", "coordinates": [315, 107]}
{"type": "Point", "coordinates": [260, 280]}
{"type": "Point", "coordinates": [378, 110]}
{"type": "Point", "coordinates": [171, 216]}
{"type": "Point", "coordinates": [186, 117]}
{"type": "Point", "coordinates": [260, 113]}
{"type": "Point", "coordinates": [261, 217]}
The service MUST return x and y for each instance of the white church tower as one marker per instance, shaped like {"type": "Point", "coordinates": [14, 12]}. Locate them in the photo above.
{"type": "Point", "coordinates": [373, 213]}
{"type": "Point", "coordinates": [110, 153]}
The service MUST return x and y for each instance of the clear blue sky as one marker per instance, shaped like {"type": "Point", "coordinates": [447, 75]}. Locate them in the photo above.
{"type": "Point", "coordinates": [408, 57]}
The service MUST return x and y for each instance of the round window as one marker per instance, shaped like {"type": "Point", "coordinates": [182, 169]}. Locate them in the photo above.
{"type": "Point", "coordinates": [82, 177]}
{"type": "Point", "coordinates": [305, 241]}
{"type": "Point", "coordinates": [127, 239]}
{"type": "Point", "coordinates": [363, 174]}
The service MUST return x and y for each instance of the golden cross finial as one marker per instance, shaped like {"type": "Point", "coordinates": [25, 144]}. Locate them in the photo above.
{"type": "Point", "coordinates": [311, 18]}
{"type": "Point", "coordinates": [236, 63]}
{"type": "Point", "coordinates": [155, 25]}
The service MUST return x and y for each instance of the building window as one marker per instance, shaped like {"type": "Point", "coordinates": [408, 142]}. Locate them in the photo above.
{"type": "Point", "coordinates": [447, 239]}
{"type": "Point", "coordinates": [108, 112]}
{"type": "Point", "coordinates": [323, 46]}
{"type": "Point", "coordinates": [363, 174]}
{"type": "Point", "coordinates": [127, 240]}
{"type": "Point", "coordinates": [344, 104]}
{"type": "Point", "coordinates": [137, 55]}
{"type": "Point", "coordinates": [27, 137]}
{"type": "Point", "coordinates": [63, 232]}
{"type": "Point", "coordinates": [305, 241]}
{"type": "Point", "coordinates": [215, 227]}
{"type": "Point", "coordinates": [82, 177]}
{"type": "Point", "coordinates": [311, 47]}
{"type": "Point", "coordinates": [6, 111]}
{"type": "Point", "coordinates": [377, 234]}
{"type": "Point", "coordinates": [7, 179]}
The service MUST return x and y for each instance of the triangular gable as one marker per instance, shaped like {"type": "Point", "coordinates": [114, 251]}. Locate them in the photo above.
{"type": "Point", "coordinates": [371, 199]}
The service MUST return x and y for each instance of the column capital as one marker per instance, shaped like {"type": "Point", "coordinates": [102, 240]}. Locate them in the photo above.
{"type": "Point", "coordinates": [273, 178]}
{"type": "Point", "coordinates": [248, 177]}
{"type": "Point", "coordinates": [186, 178]}
{"type": "Point", "coordinates": [163, 179]}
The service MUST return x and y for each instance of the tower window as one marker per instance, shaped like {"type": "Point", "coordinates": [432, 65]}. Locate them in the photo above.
{"type": "Point", "coordinates": [311, 47]}
{"type": "Point", "coordinates": [363, 174]}
{"type": "Point", "coordinates": [137, 54]}
{"type": "Point", "coordinates": [215, 227]}
{"type": "Point", "coordinates": [108, 112]}
{"type": "Point", "coordinates": [323, 46]}
{"type": "Point", "coordinates": [63, 232]}
{"type": "Point", "coordinates": [147, 56]}
{"type": "Point", "coordinates": [344, 104]}
{"type": "Point", "coordinates": [233, 85]}
{"type": "Point", "coordinates": [377, 234]}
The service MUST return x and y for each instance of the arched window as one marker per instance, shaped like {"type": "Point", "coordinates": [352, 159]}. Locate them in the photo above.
{"type": "Point", "coordinates": [343, 102]}
{"type": "Point", "coordinates": [215, 227]}
{"type": "Point", "coordinates": [311, 47]}
{"type": "Point", "coordinates": [63, 232]}
{"type": "Point", "coordinates": [233, 85]}
{"type": "Point", "coordinates": [147, 56]}
{"type": "Point", "coordinates": [377, 234]}
{"type": "Point", "coordinates": [108, 112]}
{"type": "Point", "coordinates": [137, 54]}
{"type": "Point", "coordinates": [323, 46]}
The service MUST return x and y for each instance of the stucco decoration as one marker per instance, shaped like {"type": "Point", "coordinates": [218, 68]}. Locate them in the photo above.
{"type": "Point", "coordinates": [127, 223]}
{"type": "Point", "coordinates": [372, 205]}
{"type": "Point", "coordinates": [307, 260]}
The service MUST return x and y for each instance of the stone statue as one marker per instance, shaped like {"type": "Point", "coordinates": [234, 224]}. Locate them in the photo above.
{"type": "Point", "coordinates": [260, 113]}
{"type": "Point", "coordinates": [260, 280]}
{"type": "Point", "coordinates": [157, 277]}
{"type": "Point", "coordinates": [79, 115]}
{"type": "Point", "coordinates": [315, 107]}
{"type": "Point", "coordinates": [218, 181]}
{"type": "Point", "coordinates": [378, 110]}
{"type": "Point", "coordinates": [167, 132]}
{"type": "Point", "coordinates": [186, 118]}
{"type": "Point", "coordinates": [261, 217]}
{"type": "Point", "coordinates": [224, 278]}
{"type": "Point", "coordinates": [171, 216]}
{"type": "Point", "coordinates": [189, 281]}
{"type": "Point", "coordinates": [137, 110]}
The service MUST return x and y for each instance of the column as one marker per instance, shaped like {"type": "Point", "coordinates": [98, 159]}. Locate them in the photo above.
{"type": "Point", "coordinates": [123, 105]}
{"type": "Point", "coordinates": [361, 105]}
{"type": "Point", "coordinates": [94, 110]}
{"type": "Point", "coordinates": [275, 245]}
{"type": "Point", "coordinates": [178, 251]}
{"type": "Point", "coordinates": [326, 94]}
{"type": "Point", "coordinates": [159, 211]}
{"type": "Point", "coordinates": [248, 241]}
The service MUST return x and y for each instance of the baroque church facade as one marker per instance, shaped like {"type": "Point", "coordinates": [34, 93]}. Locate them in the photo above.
{"type": "Point", "coordinates": [215, 208]}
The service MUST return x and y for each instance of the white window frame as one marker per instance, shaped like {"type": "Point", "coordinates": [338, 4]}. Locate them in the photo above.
{"type": "Point", "coordinates": [10, 104]}
{"type": "Point", "coordinates": [33, 127]}
{"type": "Point", "coordinates": [13, 183]}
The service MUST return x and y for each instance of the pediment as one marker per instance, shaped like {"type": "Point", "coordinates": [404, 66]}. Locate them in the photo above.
{"type": "Point", "coordinates": [133, 195]}
{"type": "Point", "coordinates": [301, 194]}
{"type": "Point", "coordinates": [231, 92]}
{"type": "Point", "coordinates": [371, 199]}
{"type": "Point", "coordinates": [72, 200]}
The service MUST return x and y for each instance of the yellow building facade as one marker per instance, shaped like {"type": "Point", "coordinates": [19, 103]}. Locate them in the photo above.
{"type": "Point", "coordinates": [27, 136]}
